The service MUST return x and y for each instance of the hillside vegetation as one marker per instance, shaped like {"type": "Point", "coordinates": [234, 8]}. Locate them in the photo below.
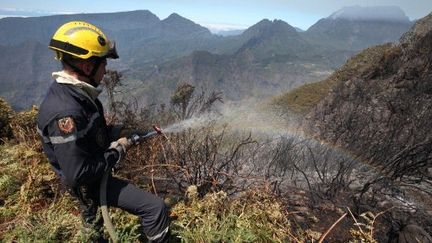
{"type": "Point", "coordinates": [302, 99]}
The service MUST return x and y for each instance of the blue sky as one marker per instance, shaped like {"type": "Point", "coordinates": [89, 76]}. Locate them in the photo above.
{"type": "Point", "coordinates": [221, 14]}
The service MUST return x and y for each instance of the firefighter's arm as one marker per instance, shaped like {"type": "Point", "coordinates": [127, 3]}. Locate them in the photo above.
{"type": "Point", "coordinates": [79, 165]}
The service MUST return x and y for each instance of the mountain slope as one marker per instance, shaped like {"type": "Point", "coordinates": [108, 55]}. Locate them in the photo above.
{"type": "Point", "coordinates": [22, 80]}
{"type": "Point", "coordinates": [273, 59]}
{"type": "Point", "coordinates": [304, 98]}
{"type": "Point", "coordinates": [268, 39]}
{"type": "Point", "coordinates": [178, 25]}
{"type": "Point", "coordinates": [131, 30]}
{"type": "Point", "coordinates": [383, 113]}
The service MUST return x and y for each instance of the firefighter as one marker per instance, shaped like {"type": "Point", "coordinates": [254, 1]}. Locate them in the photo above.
{"type": "Point", "coordinates": [79, 144]}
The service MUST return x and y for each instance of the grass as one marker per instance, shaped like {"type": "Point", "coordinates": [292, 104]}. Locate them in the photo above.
{"type": "Point", "coordinates": [254, 216]}
{"type": "Point", "coordinates": [31, 211]}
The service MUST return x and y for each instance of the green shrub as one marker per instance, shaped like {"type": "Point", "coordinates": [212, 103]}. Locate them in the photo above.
{"type": "Point", "coordinates": [6, 113]}
{"type": "Point", "coordinates": [23, 126]}
{"type": "Point", "coordinates": [128, 226]}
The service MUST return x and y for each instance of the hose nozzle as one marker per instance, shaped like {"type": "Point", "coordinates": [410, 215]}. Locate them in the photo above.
{"type": "Point", "coordinates": [157, 129]}
{"type": "Point", "coordinates": [135, 138]}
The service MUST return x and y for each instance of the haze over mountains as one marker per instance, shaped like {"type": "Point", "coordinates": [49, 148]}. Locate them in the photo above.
{"type": "Point", "coordinates": [384, 13]}
{"type": "Point", "coordinates": [268, 58]}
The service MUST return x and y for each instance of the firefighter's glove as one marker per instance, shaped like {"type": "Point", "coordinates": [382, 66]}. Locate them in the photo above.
{"type": "Point", "coordinates": [125, 143]}
{"type": "Point", "coordinates": [121, 145]}
{"type": "Point", "coordinates": [117, 151]}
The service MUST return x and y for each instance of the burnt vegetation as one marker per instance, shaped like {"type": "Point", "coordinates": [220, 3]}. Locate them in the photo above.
{"type": "Point", "coordinates": [304, 173]}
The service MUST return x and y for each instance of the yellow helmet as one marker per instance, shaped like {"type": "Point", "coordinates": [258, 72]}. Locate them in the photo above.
{"type": "Point", "coordinates": [82, 40]}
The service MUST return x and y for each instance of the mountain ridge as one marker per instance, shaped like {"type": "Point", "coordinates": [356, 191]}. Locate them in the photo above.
{"type": "Point", "coordinates": [271, 55]}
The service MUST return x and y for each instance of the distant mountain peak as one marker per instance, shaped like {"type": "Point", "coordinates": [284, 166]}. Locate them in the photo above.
{"type": "Point", "coordinates": [263, 22]}
{"type": "Point", "coordinates": [140, 11]}
{"type": "Point", "coordinates": [175, 17]}
{"type": "Point", "coordinates": [373, 13]}
{"type": "Point", "coordinates": [268, 27]}
{"type": "Point", "coordinates": [182, 24]}
{"type": "Point", "coordinates": [267, 22]}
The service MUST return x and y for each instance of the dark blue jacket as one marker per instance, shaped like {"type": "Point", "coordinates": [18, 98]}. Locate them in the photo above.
{"type": "Point", "coordinates": [79, 156]}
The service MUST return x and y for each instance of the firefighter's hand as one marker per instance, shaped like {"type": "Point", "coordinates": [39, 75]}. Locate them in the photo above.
{"type": "Point", "coordinates": [121, 145]}
{"type": "Point", "coordinates": [125, 143]}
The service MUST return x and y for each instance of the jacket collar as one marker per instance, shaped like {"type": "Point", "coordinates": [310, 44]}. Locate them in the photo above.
{"type": "Point", "coordinates": [63, 77]}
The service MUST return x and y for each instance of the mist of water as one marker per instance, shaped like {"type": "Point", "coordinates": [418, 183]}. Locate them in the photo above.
{"type": "Point", "coordinates": [264, 123]}
{"type": "Point", "coordinates": [245, 116]}
{"type": "Point", "coordinates": [194, 122]}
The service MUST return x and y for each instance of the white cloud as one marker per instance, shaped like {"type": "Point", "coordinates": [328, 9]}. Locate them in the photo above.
{"type": "Point", "coordinates": [217, 27]}
{"type": "Point", "coordinates": [7, 15]}
{"type": "Point", "coordinates": [20, 12]}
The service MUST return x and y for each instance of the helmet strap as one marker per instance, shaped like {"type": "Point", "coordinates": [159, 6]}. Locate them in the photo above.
{"type": "Point", "coordinates": [82, 73]}
{"type": "Point", "coordinates": [93, 72]}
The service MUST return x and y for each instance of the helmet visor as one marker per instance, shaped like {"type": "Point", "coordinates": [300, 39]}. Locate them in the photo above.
{"type": "Point", "coordinates": [112, 52]}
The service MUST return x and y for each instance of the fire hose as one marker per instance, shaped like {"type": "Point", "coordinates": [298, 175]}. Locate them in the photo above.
{"type": "Point", "coordinates": [134, 139]}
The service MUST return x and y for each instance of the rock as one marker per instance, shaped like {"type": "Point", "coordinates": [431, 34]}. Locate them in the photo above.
{"type": "Point", "coordinates": [421, 29]}
{"type": "Point", "coordinates": [300, 219]}
{"type": "Point", "coordinates": [413, 233]}
{"type": "Point", "coordinates": [301, 209]}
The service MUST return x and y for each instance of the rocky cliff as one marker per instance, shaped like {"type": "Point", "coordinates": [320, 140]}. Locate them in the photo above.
{"type": "Point", "coordinates": [384, 113]}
